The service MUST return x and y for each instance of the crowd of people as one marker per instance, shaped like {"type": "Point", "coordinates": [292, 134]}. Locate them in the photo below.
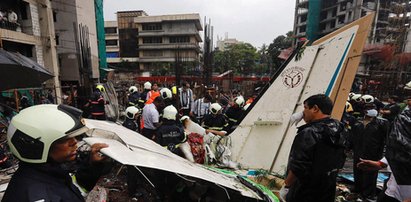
{"type": "Point", "coordinates": [378, 134]}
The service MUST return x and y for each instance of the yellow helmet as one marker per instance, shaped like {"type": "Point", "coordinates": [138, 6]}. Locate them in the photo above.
{"type": "Point", "coordinates": [348, 107]}
{"type": "Point", "coordinates": [100, 88]}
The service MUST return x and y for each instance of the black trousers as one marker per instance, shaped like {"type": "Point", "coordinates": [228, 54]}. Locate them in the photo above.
{"type": "Point", "coordinates": [382, 197]}
{"type": "Point", "coordinates": [134, 180]}
{"type": "Point", "coordinates": [148, 133]}
{"type": "Point", "coordinates": [365, 182]}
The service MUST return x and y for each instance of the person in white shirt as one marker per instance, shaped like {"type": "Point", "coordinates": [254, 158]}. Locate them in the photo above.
{"type": "Point", "coordinates": [201, 108]}
{"type": "Point", "coordinates": [12, 16]}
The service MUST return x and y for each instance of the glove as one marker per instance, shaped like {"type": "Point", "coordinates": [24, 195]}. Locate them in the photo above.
{"type": "Point", "coordinates": [296, 118]}
{"type": "Point", "coordinates": [283, 193]}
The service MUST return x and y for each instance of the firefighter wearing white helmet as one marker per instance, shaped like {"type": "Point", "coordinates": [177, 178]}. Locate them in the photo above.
{"type": "Point", "coordinates": [350, 95]}
{"type": "Point", "coordinates": [43, 138]}
{"type": "Point", "coordinates": [358, 105]}
{"type": "Point", "coordinates": [235, 113]}
{"type": "Point", "coordinates": [134, 96]}
{"type": "Point", "coordinates": [215, 120]}
{"type": "Point", "coordinates": [132, 113]}
{"type": "Point", "coordinates": [356, 98]}
{"type": "Point", "coordinates": [143, 95]}
{"type": "Point", "coordinates": [167, 96]}
{"type": "Point", "coordinates": [166, 93]}
{"type": "Point", "coordinates": [170, 113]}
{"type": "Point", "coordinates": [367, 99]}
{"type": "Point", "coordinates": [170, 134]}
{"type": "Point", "coordinates": [132, 89]}
{"type": "Point", "coordinates": [239, 100]}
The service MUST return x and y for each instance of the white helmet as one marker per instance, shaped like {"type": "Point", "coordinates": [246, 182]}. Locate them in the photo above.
{"type": "Point", "coordinates": [131, 112]}
{"type": "Point", "coordinates": [356, 97]}
{"type": "Point", "coordinates": [239, 100]}
{"type": "Point", "coordinates": [351, 94]}
{"type": "Point", "coordinates": [408, 86]}
{"type": "Point", "coordinates": [166, 93]}
{"type": "Point", "coordinates": [132, 89]}
{"type": "Point", "coordinates": [147, 85]}
{"type": "Point", "coordinates": [368, 98]}
{"type": "Point", "coordinates": [32, 132]}
{"type": "Point", "coordinates": [170, 113]}
{"type": "Point", "coordinates": [215, 108]}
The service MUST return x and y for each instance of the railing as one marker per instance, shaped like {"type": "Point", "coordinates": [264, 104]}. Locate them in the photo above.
{"type": "Point", "coordinates": [9, 25]}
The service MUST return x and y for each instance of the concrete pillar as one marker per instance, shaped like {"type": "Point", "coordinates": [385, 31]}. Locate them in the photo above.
{"type": "Point", "coordinates": [49, 49]}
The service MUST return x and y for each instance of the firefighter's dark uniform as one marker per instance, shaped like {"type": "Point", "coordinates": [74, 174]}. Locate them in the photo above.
{"type": "Point", "coordinates": [97, 103]}
{"type": "Point", "coordinates": [143, 98]}
{"type": "Point", "coordinates": [133, 99]}
{"type": "Point", "coordinates": [130, 124]}
{"type": "Point", "coordinates": [170, 135]}
{"type": "Point", "coordinates": [215, 122]}
{"type": "Point", "coordinates": [50, 182]}
{"type": "Point", "coordinates": [233, 115]}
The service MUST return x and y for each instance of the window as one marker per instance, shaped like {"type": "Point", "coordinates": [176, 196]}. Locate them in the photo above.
{"type": "Point", "coordinates": [179, 39]}
{"type": "Point", "coordinates": [57, 39]}
{"type": "Point", "coordinates": [24, 11]}
{"type": "Point", "coordinates": [332, 24]}
{"type": "Point", "coordinates": [152, 40]}
{"type": "Point", "coordinates": [302, 29]}
{"type": "Point", "coordinates": [110, 30]}
{"type": "Point", "coordinates": [112, 54]}
{"type": "Point", "coordinates": [54, 16]}
{"type": "Point", "coordinates": [111, 42]}
{"type": "Point", "coordinates": [152, 26]}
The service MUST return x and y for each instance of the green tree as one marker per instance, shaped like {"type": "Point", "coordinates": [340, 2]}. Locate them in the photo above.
{"type": "Point", "coordinates": [266, 62]}
{"type": "Point", "coordinates": [280, 43]}
{"type": "Point", "coordinates": [238, 57]}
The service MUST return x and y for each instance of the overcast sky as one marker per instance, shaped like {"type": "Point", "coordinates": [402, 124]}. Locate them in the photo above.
{"type": "Point", "coordinates": [253, 21]}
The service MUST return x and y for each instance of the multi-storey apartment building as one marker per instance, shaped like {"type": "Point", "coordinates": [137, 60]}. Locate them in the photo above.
{"type": "Point", "coordinates": [316, 18]}
{"type": "Point", "coordinates": [32, 34]}
{"type": "Point", "coordinates": [388, 42]}
{"type": "Point", "coordinates": [149, 43]}
{"type": "Point", "coordinates": [59, 34]}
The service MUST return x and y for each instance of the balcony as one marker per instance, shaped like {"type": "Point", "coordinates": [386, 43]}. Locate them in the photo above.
{"type": "Point", "coordinates": [164, 59]}
{"type": "Point", "coordinates": [169, 46]}
{"type": "Point", "coordinates": [162, 33]}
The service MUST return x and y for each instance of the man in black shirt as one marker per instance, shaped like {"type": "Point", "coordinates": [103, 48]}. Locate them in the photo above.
{"type": "Point", "coordinates": [391, 110]}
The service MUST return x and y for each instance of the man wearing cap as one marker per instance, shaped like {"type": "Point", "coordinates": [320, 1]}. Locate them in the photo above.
{"type": "Point", "coordinates": [367, 140]}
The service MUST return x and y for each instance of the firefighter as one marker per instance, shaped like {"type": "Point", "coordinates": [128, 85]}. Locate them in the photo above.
{"type": "Point", "coordinates": [134, 96]}
{"type": "Point", "coordinates": [132, 113]}
{"type": "Point", "coordinates": [215, 120]}
{"type": "Point", "coordinates": [96, 104]}
{"type": "Point", "coordinates": [143, 95]}
{"type": "Point", "coordinates": [170, 134]}
{"type": "Point", "coordinates": [235, 112]}
{"type": "Point", "coordinates": [46, 148]}
{"type": "Point", "coordinates": [167, 96]}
